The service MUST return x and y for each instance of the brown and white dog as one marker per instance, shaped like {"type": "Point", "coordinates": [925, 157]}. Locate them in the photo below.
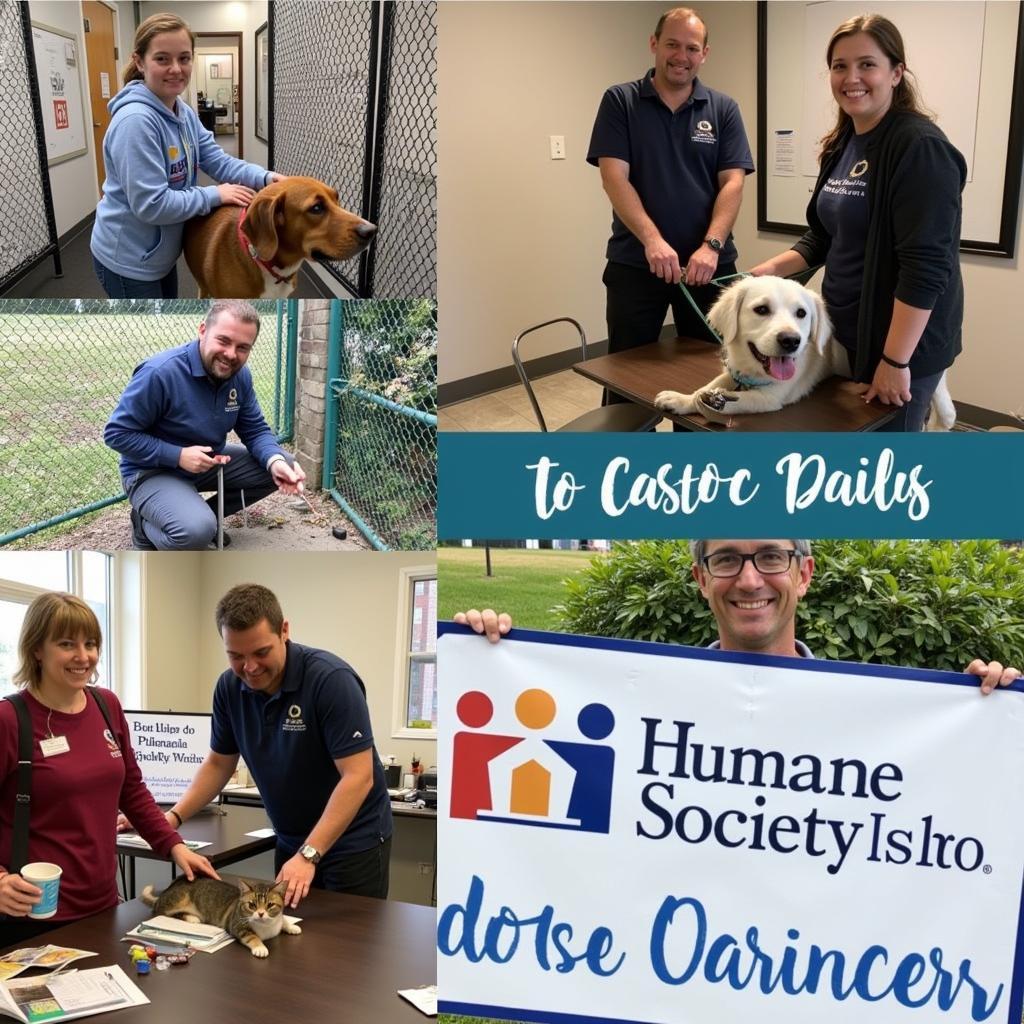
{"type": "Point", "coordinates": [255, 252]}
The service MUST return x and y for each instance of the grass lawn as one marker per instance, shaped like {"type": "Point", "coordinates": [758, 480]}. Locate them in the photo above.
{"type": "Point", "coordinates": [63, 374]}
{"type": "Point", "coordinates": [526, 584]}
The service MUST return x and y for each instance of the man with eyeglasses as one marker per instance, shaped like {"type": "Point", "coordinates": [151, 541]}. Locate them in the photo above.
{"type": "Point", "coordinates": [753, 588]}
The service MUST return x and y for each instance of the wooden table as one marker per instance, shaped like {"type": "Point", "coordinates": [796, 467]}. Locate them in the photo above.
{"type": "Point", "coordinates": [687, 365]}
{"type": "Point", "coordinates": [226, 832]}
{"type": "Point", "coordinates": [353, 955]}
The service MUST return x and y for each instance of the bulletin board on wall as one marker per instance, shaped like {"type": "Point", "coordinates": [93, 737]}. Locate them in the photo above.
{"type": "Point", "coordinates": [980, 107]}
{"type": "Point", "coordinates": [58, 60]}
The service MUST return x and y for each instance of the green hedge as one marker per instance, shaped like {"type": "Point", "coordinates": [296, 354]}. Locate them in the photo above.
{"type": "Point", "coordinates": [933, 604]}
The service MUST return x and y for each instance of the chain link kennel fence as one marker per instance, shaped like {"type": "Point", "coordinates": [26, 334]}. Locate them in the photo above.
{"type": "Point", "coordinates": [322, 70]}
{"type": "Point", "coordinates": [381, 430]}
{"type": "Point", "coordinates": [28, 230]}
{"type": "Point", "coordinates": [353, 102]}
{"type": "Point", "coordinates": [403, 262]}
{"type": "Point", "coordinates": [65, 365]}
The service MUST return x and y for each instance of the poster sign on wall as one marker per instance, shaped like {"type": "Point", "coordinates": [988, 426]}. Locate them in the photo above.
{"type": "Point", "coordinates": [650, 834]}
{"type": "Point", "coordinates": [60, 92]}
{"type": "Point", "coordinates": [169, 747]}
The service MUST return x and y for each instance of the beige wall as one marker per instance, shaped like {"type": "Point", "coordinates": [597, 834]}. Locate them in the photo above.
{"type": "Point", "coordinates": [347, 604]}
{"type": "Point", "coordinates": [172, 625]}
{"type": "Point", "coordinates": [521, 238]}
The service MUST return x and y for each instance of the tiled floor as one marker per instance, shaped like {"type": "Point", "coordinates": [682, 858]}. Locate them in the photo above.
{"type": "Point", "coordinates": [562, 397]}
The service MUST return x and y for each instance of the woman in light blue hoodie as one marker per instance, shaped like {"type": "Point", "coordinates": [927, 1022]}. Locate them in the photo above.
{"type": "Point", "coordinates": [152, 153]}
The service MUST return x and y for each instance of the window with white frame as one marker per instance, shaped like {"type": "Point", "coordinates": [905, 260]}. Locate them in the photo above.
{"type": "Point", "coordinates": [416, 664]}
{"type": "Point", "coordinates": [26, 575]}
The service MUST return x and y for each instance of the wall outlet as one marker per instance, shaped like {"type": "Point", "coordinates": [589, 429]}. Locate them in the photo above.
{"type": "Point", "coordinates": [557, 147]}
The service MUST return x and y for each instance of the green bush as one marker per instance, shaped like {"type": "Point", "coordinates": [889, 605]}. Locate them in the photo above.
{"type": "Point", "coordinates": [932, 604]}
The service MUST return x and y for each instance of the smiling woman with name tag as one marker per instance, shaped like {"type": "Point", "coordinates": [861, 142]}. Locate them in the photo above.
{"type": "Point", "coordinates": [77, 767]}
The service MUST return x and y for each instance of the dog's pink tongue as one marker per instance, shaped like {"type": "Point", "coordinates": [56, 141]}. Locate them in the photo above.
{"type": "Point", "coordinates": [781, 367]}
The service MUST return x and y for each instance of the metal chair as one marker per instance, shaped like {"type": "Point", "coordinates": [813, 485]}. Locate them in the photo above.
{"type": "Point", "coordinates": [622, 417]}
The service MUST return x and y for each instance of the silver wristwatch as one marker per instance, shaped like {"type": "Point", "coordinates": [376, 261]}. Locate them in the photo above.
{"type": "Point", "coordinates": [713, 243]}
{"type": "Point", "coordinates": [311, 854]}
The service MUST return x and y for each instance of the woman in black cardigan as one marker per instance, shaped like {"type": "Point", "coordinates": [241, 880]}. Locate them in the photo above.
{"type": "Point", "coordinates": [884, 218]}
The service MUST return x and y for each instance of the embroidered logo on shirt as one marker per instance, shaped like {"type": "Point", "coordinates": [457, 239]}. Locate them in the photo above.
{"type": "Point", "coordinates": [357, 735]}
{"type": "Point", "coordinates": [294, 722]}
{"type": "Point", "coordinates": [859, 168]}
{"type": "Point", "coordinates": [172, 152]}
{"type": "Point", "coordinates": [112, 746]}
{"type": "Point", "coordinates": [232, 405]}
{"type": "Point", "coordinates": [705, 133]}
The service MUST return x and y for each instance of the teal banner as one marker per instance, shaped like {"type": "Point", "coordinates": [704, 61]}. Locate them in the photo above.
{"type": "Point", "coordinates": [633, 486]}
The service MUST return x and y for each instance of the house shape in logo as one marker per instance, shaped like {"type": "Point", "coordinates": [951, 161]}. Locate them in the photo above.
{"type": "Point", "coordinates": [529, 779]}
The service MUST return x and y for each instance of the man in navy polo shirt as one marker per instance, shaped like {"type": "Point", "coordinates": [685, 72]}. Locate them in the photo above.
{"type": "Point", "coordinates": [673, 156]}
{"type": "Point", "coordinates": [298, 717]}
{"type": "Point", "coordinates": [171, 425]}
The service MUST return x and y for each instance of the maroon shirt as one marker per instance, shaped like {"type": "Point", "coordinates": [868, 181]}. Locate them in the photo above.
{"type": "Point", "coordinates": [75, 800]}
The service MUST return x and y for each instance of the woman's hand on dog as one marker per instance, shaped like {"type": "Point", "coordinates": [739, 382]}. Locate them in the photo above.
{"type": "Point", "coordinates": [235, 195]}
{"type": "Point", "coordinates": [889, 385]}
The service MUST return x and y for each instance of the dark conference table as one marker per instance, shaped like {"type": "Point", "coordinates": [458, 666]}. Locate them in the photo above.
{"type": "Point", "coordinates": [353, 955]}
{"type": "Point", "coordinates": [225, 831]}
{"type": "Point", "coordinates": [687, 365]}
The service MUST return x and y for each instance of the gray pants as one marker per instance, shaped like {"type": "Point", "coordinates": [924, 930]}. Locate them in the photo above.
{"type": "Point", "coordinates": [175, 517]}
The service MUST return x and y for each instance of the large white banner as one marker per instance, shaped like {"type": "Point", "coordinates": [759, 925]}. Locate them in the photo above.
{"type": "Point", "coordinates": [654, 834]}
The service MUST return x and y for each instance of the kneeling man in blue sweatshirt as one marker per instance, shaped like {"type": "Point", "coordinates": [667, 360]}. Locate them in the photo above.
{"type": "Point", "coordinates": [171, 425]}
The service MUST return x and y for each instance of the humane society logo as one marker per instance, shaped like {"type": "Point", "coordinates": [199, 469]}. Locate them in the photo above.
{"type": "Point", "coordinates": [529, 779]}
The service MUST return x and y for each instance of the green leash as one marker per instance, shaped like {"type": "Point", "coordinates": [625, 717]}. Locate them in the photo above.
{"type": "Point", "coordinates": [697, 309]}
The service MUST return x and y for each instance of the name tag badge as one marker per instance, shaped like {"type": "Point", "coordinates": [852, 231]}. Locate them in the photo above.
{"type": "Point", "coordinates": [54, 745]}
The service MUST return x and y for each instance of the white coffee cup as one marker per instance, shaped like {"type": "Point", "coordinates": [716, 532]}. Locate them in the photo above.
{"type": "Point", "coordinates": [46, 877]}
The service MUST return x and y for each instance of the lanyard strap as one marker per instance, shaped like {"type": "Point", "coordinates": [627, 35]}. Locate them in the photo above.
{"type": "Point", "coordinates": [697, 309]}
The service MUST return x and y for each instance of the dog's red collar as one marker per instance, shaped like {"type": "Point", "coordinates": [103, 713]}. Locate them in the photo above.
{"type": "Point", "coordinates": [251, 250]}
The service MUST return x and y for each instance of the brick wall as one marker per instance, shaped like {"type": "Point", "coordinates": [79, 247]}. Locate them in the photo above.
{"type": "Point", "coordinates": [310, 399]}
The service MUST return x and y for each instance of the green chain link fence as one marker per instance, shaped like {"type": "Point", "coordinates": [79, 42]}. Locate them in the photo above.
{"type": "Point", "coordinates": [63, 366]}
{"type": "Point", "coordinates": [381, 431]}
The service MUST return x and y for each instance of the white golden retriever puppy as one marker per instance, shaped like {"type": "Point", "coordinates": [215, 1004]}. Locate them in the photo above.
{"type": "Point", "coordinates": [777, 345]}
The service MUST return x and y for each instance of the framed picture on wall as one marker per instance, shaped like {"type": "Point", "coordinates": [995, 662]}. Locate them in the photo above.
{"type": "Point", "coordinates": [262, 68]}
